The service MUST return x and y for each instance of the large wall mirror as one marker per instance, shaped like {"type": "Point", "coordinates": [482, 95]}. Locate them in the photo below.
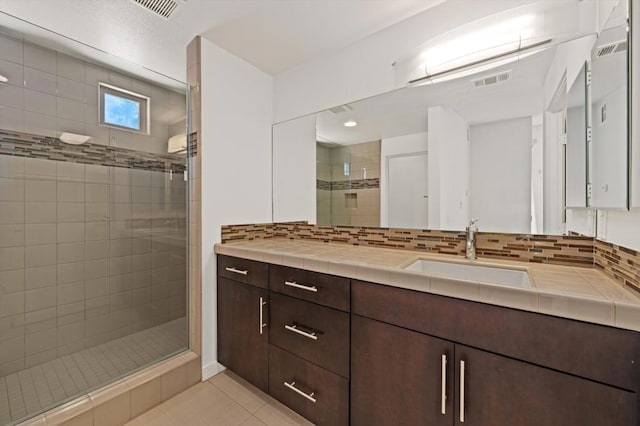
{"type": "Point", "coordinates": [529, 141]}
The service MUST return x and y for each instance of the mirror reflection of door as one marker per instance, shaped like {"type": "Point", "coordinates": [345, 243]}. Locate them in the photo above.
{"type": "Point", "coordinates": [408, 202]}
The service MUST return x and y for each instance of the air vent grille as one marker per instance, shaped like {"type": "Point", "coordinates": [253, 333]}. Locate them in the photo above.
{"type": "Point", "coordinates": [610, 49]}
{"type": "Point", "coordinates": [340, 109]}
{"type": "Point", "coordinates": [163, 8]}
{"type": "Point", "coordinates": [492, 79]}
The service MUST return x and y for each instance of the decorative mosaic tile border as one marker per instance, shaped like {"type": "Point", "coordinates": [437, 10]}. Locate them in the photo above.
{"type": "Point", "coordinates": [340, 185]}
{"type": "Point", "coordinates": [34, 146]}
{"type": "Point", "coordinates": [558, 250]}
{"type": "Point", "coordinates": [620, 263]}
{"type": "Point", "coordinates": [192, 142]}
{"type": "Point", "coordinates": [323, 185]}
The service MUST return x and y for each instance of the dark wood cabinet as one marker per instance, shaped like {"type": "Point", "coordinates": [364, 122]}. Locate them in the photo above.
{"type": "Point", "coordinates": [316, 333]}
{"type": "Point", "coordinates": [318, 394]}
{"type": "Point", "coordinates": [342, 351]}
{"type": "Point", "coordinates": [244, 270]}
{"type": "Point", "coordinates": [242, 333]}
{"type": "Point", "coordinates": [323, 289]}
{"type": "Point", "coordinates": [503, 391]}
{"type": "Point", "coordinates": [398, 376]}
{"type": "Point", "coordinates": [392, 367]}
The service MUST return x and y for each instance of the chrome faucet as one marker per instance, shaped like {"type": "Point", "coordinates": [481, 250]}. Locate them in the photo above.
{"type": "Point", "coordinates": [470, 252]}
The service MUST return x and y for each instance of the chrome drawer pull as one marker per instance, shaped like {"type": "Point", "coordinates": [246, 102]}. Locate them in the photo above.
{"type": "Point", "coordinates": [237, 271]}
{"type": "Point", "coordinates": [312, 288]}
{"type": "Point", "coordinates": [443, 390]}
{"type": "Point", "coordinates": [262, 323]}
{"type": "Point", "coordinates": [461, 391]}
{"type": "Point", "coordinates": [293, 387]}
{"type": "Point", "coordinates": [294, 328]}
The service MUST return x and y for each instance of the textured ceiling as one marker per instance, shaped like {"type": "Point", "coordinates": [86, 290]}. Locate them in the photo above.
{"type": "Point", "coordinates": [273, 35]}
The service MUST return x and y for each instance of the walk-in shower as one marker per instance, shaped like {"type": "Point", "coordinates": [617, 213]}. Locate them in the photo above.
{"type": "Point", "coordinates": [93, 224]}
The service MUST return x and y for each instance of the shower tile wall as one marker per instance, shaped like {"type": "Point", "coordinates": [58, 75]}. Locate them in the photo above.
{"type": "Point", "coordinates": [49, 92]}
{"type": "Point", "coordinates": [348, 197]}
{"type": "Point", "coordinates": [88, 252]}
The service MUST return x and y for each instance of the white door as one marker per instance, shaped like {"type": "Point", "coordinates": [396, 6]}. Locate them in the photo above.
{"type": "Point", "coordinates": [408, 202]}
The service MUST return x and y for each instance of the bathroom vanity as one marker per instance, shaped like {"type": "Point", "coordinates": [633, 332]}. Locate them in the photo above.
{"type": "Point", "coordinates": [348, 338]}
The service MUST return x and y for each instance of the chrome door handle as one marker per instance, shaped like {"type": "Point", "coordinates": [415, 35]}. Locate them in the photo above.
{"type": "Point", "coordinates": [293, 387]}
{"type": "Point", "coordinates": [262, 323]}
{"type": "Point", "coordinates": [461, 391]}
{"type": "Point", "coordinates": [237, 271]}
{"type": "Point", "coordinates": [443, 390]}
{"type": "Point", "coordinates": [294, 328]}
{"type": "Point", "coordinates": [294, 284]}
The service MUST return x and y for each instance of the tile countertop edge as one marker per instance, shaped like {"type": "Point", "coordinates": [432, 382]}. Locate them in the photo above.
{"type": "Point", "coordinates": [560, 303]}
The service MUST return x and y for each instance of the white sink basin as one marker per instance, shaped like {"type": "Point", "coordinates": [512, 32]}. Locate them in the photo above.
{"type": "Point", "coordinates": [476, 273]}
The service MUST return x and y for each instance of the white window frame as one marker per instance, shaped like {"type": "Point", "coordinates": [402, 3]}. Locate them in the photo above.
{"type": "Point", "coordinates": [143, 101]}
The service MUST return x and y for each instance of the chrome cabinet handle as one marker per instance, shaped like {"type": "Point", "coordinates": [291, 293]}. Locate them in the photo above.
{"type": "Point", "coordinates": [293, 387]}
{"type": "Point", "coordinates": [443, 390]}
{"type": "Point", "coordinates": [237, 271]}
{"type": "Point", "coordinates": [262, 323]}
{"type": "Point", "coordinates": [294, 284]}
{"type": "Point", "coordinates": [294, 328]}
{"type": "Point", "coordinates": [461, 391]}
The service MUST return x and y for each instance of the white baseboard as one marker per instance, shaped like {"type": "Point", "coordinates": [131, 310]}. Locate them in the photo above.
{"type": "Point", "coordinates": [210, 370]}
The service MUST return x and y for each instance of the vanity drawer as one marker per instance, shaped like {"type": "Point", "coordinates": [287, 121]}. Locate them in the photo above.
{"type": "Point", "coordinates": [313, 332]}
{"type": "Point", "coordinates": [243, 270]}
{"type": "Point", "coordinates": [315, 393]}
{"type": "Point", "coordinates": [323, 289]}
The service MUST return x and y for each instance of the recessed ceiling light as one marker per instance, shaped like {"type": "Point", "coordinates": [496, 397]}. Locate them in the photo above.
{"type": "Point", "coordinates": [350, 123]}
{"type": "Point", "coordinates": [3, 79]}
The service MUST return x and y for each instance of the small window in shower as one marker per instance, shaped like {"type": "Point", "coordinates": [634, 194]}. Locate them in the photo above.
{"type": "Point", "coordinates": [123, 109]}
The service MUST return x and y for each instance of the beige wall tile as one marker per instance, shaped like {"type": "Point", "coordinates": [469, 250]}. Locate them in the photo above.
{"type": "Point", "coordinates": [174, 382]}
{"type": "Point", "coordinates": [39, 277]}
{"type": "Point", "coordinates": [146, 396]}
{"type": "Point", "coordinates": [40, 233]}
{"type": "Point", "coordinates": [40, 212]}
{"type": "Point", "coordinates": [39, 299]}
{"type": "Point", "coordinates": [11, 212]}
{"type": "Point", "coordinates": [40, 190]}
{"type": "Point", "coordinates": [12, 235]}
{"type": "Point", "coordinates": [41, 255]}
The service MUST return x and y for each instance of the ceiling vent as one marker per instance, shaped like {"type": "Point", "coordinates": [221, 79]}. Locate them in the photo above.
{"type": "Point", "coordinates": [340, 109]}
{"type": "Point", "coordinates": [162, 8]}
{"type": "Point", "coordinates": [492, 79]}
{"type": "Point", "coordinates": [611, 48]}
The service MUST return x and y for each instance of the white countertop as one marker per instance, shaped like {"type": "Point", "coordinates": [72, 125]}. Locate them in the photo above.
{"type": "Point", "coordinates": [572, 292]}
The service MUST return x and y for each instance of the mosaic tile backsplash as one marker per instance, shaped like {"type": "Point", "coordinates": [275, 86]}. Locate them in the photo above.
{"type": "Point", "coordinates": [620, 263]}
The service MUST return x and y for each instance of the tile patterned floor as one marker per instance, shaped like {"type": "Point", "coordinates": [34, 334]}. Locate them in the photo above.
{"type": "Point", "coordinates": [225, 399]}
{"type": "Point", "coordinates": [34, 389]}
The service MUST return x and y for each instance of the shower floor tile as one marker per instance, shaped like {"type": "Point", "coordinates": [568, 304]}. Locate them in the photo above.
{"type": "Point", "coordinates": [30, 391]}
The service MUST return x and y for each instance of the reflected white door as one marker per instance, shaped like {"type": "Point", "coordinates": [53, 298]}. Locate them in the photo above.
{"type": "Point", "coordinates": [408, 191]}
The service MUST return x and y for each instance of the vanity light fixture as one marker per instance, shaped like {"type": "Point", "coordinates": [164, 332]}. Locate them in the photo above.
{"type": "Point", "coordinates": [3, 79]}
{"type": "Point", "coordinates": [350, 123]}
{"type": "Point", "coordinates": [486, 43]}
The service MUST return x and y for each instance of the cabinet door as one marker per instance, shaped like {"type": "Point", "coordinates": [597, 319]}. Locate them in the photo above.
{"type": "Point", "coordinates": [397, 376]}
{"type": "Point", "coordinates": [503, 391]}
{"type": "Point", "coordinates": [242, 331]}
